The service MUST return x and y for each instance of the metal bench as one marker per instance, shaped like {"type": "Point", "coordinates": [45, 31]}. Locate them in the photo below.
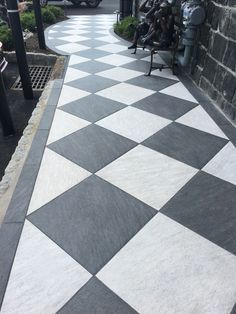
{"type": "Point", "coordinates": [154, 49]}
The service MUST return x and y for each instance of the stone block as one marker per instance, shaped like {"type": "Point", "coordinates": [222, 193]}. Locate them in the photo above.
{"type": "Point", "coordinates": [229, 59]}
{"type": "Point", "coordinates": [197, 74]}
{"type": "Point", "coordinates": [218, 47]}
{"type": "Point", "coordinates": [209, 68]}
{"type": "Point", "coordinates": [201, 55]}
{"type": "Point", "coordinates": [205, 35]}
{"type": "Point", "coordinates": [229, 86]}
{"type": "Point", "coordinates": [208, 88]}
{"type": "Point", "coordinates": [215, 18]}
{"type": "Point", "coordinates": [210, 8]}
{"type": "Point", "coordinates": [219, 77]}
{"type": "Point", "coordinates": [232, 25]}
{"type": "Point", "coordinates": [224, 20]}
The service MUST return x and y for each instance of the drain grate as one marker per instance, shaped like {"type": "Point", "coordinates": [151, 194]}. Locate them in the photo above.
{"type": "Point", "coordinates": [39, 74]}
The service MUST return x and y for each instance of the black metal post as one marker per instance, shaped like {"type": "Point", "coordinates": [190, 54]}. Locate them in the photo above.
{"type": "Point", "coordinates": [13, 12]}
{"type": "Point", "coordinates": [125, 8]}
{"type": "Point", "coordinates": [39, 24]}
{"type": "Point", "coordinates": [5, 115]}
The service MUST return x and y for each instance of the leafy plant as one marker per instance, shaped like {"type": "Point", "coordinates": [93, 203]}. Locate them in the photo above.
{"type": "Point", "coordinates": [6, 37]}
{"type": "Point", "coordinates": [126, 27]}
{"type": "Point", "coordinates": [47, 16]}
{"type": "Point", "coordinates": [58, 12]}
{"type": "Point", "coordinates": [28, 21]}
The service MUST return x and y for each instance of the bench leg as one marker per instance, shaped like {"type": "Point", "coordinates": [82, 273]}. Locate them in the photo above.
{"type": "Point", "coordinates": [151, 63]}
{"type": "Point", "coordinates": [174, 65]}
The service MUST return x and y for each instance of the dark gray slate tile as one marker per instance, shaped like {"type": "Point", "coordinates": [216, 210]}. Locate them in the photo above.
{"type": "Point", "coordinates": [58, 83]}
{"type": "Point", "coordinates": [186, 144]}
{"type": "Point", "coordinates": [92, 83]}
{"type": "Point", "coordinates": [9, 237]}
{"type": "Point", "coordinates": [233, 309]}
{"type": "Point", "coordinates": [47, 118]}
{"type": "Point", "coordinates": [19, 203]}
{"type": "Point", "coordinates": [206, 205]}
{"type": "Point", "coordinates": [37, 147]}
{"type": "Point", "coordinates": [151, 82]}
{"type": "Point", "coordinates": [92, 147]}
{"type": "Point", "coordinates": [92, 66]}
{"type": "Point", "coordinates": [165, 106]}
{"type": "Point", "coordinates": [92, 221]}
{"type": "Point", "coordinates": [139, 54]}
{"type": "Point", "coordinates": [92, 42]}
{"type": "Point", "coordinates": [96, 298]}
{"type": "Point", "coordinates": [92, 53]}
{"type": "Point", "coordinates": [94, 35]}
{"type": "Point", "coordinates": [137, 65]}
{"type": "Point", "coordinates": [92, 107]}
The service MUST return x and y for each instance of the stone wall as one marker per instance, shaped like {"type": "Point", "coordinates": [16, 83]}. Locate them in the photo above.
{"type": "Point", "coordinates": [215, 69]}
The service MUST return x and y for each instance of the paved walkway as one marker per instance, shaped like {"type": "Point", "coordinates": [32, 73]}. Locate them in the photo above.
{"type": "Point", "coordinates": [133, 208]}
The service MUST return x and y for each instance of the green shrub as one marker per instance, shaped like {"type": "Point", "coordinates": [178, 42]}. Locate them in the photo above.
{"type": "Point", "coordinates": [126, 27]}
{"type": "Point", "coordinates": [6, 37]}
{"type": "Point", "coordinates": [58, 12]}
{"type": "Point", "coordinates": [47, 16]}
{"type": "Point", "coordinates": [28, 21]}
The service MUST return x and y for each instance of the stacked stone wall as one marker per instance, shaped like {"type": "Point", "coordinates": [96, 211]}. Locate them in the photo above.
{"type": "Point", "coordinates": [215, 69]}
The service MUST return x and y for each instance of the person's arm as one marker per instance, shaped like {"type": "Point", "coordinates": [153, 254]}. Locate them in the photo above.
{"type": "Point", "coordinates": [153, 9]}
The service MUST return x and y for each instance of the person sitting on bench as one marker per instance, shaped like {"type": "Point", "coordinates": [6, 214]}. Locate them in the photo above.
{"type": "Point", "coordinates": [144, 27]}
{"type": "Point", "coordinates": [163, 27]}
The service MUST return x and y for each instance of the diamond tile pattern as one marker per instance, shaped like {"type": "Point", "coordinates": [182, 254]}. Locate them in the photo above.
{"type": "Point", "coordinates": [93, 107]}
{"type": "Point", "coordinates": [186, 144]}
{"type": "Point", "coordinates": [133, 208]}
{"type": "Point", "coordinates": [116, 218]}
{"type": "Point", "coordinates": [92, 147]}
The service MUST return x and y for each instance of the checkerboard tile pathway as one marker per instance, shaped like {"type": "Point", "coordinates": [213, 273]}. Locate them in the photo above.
{"type": "Point", "coordinates": [133, 209]}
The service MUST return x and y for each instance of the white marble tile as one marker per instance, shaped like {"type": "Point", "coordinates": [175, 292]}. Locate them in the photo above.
{"type": "Point", "coordinates": [116, 60]}
{"type": "Point", "coordinates": [198, 118]}
{"type": "Point", "coordinates": [168, 269]}
{"type": "Point", "coordinates": [148, 175]}
{"type": "Point", "coordinates": [109, 39]}
{"type": "Point", "coordinates": [72, 47]}
{"type": "Point", "coordinates": [81, 17]}
{"type": "Point", "coordinates": [73, 38]}
{"type": "Point", "coordinates": [56, 175]}
{"type": "Point", "coordinates": [82, 22]}
{"type": "Point", "coordinates": [166, 73]}
{"type": "Point", "coordinates": [73, 26]}
{"type": "Point", "coordinates": [69, 94]}
{"type": "Point", "coordinates": [180, 91]}
{"type": "Point", "coordinates": [64, 124]}
{"type": "Point", "coordinates": [134, 123]}
{"type": "Point", "coordinates": [102, 32]}
{"type": "Point", "coordinates": [112, 48]}
{"type": "Point", "coordinates": [120, 74]}
{"type": "Point", "coordinates": [74, 74]}
{"type": "Point", "coordinates": [75, 32]}
{"type": "Point", "coordinates": [125, 93]}
{"type": "Point", "coordinates": [156, 59]}
{"type": "Point", "coordinates": [43, 276]}
{"type": "Point", "coordinates": [74, 59]}
{"type": "Point", "coordinates": [76, 26]}
{"type": "Point", "coordinates": [223, 165]}
{"type": "Point", "coordinates": [52, 32]}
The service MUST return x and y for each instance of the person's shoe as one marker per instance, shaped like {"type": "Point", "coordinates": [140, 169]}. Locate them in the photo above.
{"type": "Point", "coordinates": [132, 46]}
